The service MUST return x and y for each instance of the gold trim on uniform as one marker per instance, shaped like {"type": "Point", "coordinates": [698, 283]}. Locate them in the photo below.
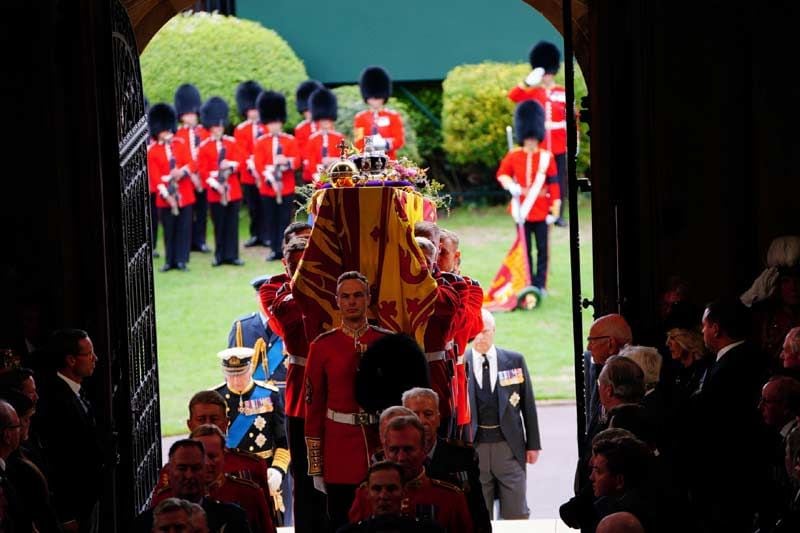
{"type": "Point", "coordinates": [314, 446]}
{"type": "Point", "coordinates": [282, 459]}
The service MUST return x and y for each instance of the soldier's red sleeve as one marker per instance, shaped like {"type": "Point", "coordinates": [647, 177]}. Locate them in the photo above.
{"type": "Point", "coordinates": [288, 320]}
{"type": "Point", "coordinates": [361, 509]}
{"type": "Point", "coordinates": [311, 157]}
{"type": "Point", "coordinates": [205, 163]}
{"type": "Point", "coordinates": [398, 137]}
{"type": "Point", "coordinates": [316, 405]}
{"type": "Point", "coordinates": [183, 157]}
{"type": "Point", "coordinates": [518, 94]}
{"type": "Point", "coordinates": [261, 150]}
{"type": "Point", "coordinates": [552, 180]}
{"type": "Point", "coordinates": [475, 305]}
{"type": "Point", "coordinates": [361, 125]}
{"type": "Point", "coordinates": [153, 170]}
{"type": "Point", "coordinates": [293, 153]}
{"type": "Point", "coordinates": [461, 519]}
{"type": "Point", "coordinates": [506, 167]}
{"type": "Point", "coordinates": [266, 296]}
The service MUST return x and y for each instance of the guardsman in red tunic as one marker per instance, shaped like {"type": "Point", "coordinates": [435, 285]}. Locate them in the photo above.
{"type": "Point", "coordinates": [307, 126]}
{"type": "Point", "coordinates": [322, 147]}
{"type": "Point", "coordinates": [383, 124]}
{"type": "Point", "coordinates": [530, 173]}
{"type": "Point", "coordinates": [187, 106]}
{"type": "Point", "coordinates": [540, 85]}
{"type": "Point", "coordinates": [340, 436]}
{"type": "Point", "coordinates": [246, 134]}
{"type": "Point", "coordinates": [170, 166]}
{"type": "Point", "coordinates": [276, 158]}
{"type": "Point", "coordinates": [219, 161]}
{"type": "Point", "coordinates": [425, 498]}
{"type": "Point", "coordinates": [227, 487]}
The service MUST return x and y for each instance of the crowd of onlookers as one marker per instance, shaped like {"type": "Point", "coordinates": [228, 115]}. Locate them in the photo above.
{"type": "Point", "coordinates": [699, 432]}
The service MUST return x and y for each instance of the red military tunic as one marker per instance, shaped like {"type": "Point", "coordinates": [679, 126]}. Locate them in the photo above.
{"type": "Point", "coordinates": [386, 122]}
{"type": "Point", "coordinates": [231, 489]}
{"type": "Point", "coordinates": [447, 502]}
{"type": "Point", "coordinates": [263, 154]}
{"type": "Point", "coordinates": [338, 451]}
{"type": "Point", "coordinates": [192, 137]}
{"type": "Point", "coordinates": [523, 167]}
{"type": "Point", "coordinates": [289, 321]}
{"type": "Point", "coordinates": [303, 131]}
{"type": "Point", "coordinates": [246, 134]}
{"type": "Point", "coordinates": [208, 163]}
{"type": "Point", "coordinates": [158, 165]}
{"type": "Point", "coordinates": [554, 102]}
{"type": "Point", "coordinates": [319, 142]}
{"type": "Point", "coordinates": [266, 296]}
{"type": "Point", "coordinates": [438, 333]}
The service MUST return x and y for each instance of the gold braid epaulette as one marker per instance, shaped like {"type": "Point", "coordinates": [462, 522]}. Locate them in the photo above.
{"type": "Point", "coordinates": [314, 447]}
{"type": "Point", "coordinates": [281, 459]}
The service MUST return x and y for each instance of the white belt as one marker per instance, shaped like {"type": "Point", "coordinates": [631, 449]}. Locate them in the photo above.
{"type": "Point", "coordinates": [436, 356]}
{"type": "Point", "coordinates": [559, 125]}
{"type": "Point", "coordinates": [460, 360]}
{"type": "Point", "coordinates": [354, 419]}
{"type": "Point", "coordinates": [296, 360]}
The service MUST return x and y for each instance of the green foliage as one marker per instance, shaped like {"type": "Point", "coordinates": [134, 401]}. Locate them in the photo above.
{"type": "Point", "coordinates": [350, 103]}
{"type": "Point", "coordinates": [476, 111]}
{"type": "Point", "coordinates": [216, 53]}
{"type": "Point", "coordinates": [429, 135]}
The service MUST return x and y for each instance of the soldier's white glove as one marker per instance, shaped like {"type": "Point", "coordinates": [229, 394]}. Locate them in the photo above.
{"type": "Point", "coordinates": [550, 219]}
{"type": "Point", "coordinates": [274, 480]}
{"type": "Point", "coordinates": [319, 484]}
{"type": "Point", "coordinates": [534, 77]}
{"type": "Point", "coordinates": [515, 189]}
{"type": "Point", "coordinates": [213, 182]}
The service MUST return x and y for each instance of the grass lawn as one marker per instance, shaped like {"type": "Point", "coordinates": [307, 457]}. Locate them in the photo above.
{"type": "Point", "coordinates": [195, 310]}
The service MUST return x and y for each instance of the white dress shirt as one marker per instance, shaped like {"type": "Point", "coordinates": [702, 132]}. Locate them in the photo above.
{"type": "Point", "coordinates": [74, 385]}
{"type": "Point", "coordinates": [477, 366]}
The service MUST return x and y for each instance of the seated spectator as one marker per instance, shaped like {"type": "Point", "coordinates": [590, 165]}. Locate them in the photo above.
{"type": "Point", "coordinates": [620, 523]}
{"type": "Point", "coordinates": [655, 399]}
{"type": "Point", "coordinates": [687, 348]}
{"type": "Point", "coordinates": [187, 481]}
{"type": "Point", "coordinates": [197, 519]}
{"type": "Point", "coordinates": [620, 382]}
{"type": "Point", "coordinates": [12, 513]}
{"type": "Point", "coordinates": [789, 519]}
{"type": "Point", "coordinates": [780, 405]}
{"type": "Point", "coordinates": [385, 493]}
{"type": "Point", "coordinates": [790, 355]}
{"type": "Point", "coordinates": [29, 482]}
{"type": "Point", "coordinates": [22, 380]}
{"type": "Point", "coordinates": [172, 515]}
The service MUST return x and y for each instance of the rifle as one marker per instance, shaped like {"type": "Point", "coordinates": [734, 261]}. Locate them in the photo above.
{"type": "Point", "coordinates": [274, 175]}
{"type": "Point", "coordinates": [173, 196]}
{"type": "Point", "coordinates": [224, 174]}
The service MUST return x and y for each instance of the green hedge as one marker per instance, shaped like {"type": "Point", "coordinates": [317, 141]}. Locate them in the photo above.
{"type": "Point", "coordinates": [476, 111]}
{"type": "Point", "coordinates": [429, 135]}
{"type": "Point", "coordinates": [216, 53]}
{"type": "Point", "coordinates": [350, 103]}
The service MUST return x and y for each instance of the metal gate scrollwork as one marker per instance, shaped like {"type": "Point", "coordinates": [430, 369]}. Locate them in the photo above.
{"type": "Point", "coordinates": [135, 394]}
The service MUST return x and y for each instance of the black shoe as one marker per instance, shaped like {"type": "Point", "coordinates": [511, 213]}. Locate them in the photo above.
{"type": "Point", "coordinates": [182, 267]}
{"type": "Point", "coordinates": [236, 262]}
{"type": "Point", "coordinates": [156, 255]}
{"type": "Point", "coordinates": [216, 262]}
{"type": "Point", "coordinates": [252, 241]}
{"type": "Point", "coordinates": [165, 268]}
{"type": "Point", "coordinates": [274, 257]}
{"type": "Point", "coordinates": [561, 223]}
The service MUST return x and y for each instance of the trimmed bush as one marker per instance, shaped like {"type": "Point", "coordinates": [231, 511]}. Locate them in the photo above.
{"type": "Point", "coordinates": [476, 111]}
{"type": "Point", "coordinates": [350, 103]}
{"type": "Point", "coordinates": [216, 53]}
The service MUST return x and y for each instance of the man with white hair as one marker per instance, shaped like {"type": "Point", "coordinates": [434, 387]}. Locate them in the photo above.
{"type": "Point", "coordinates": [790, 354]}
{"type": "Point", "coordinates": [654, 402]}
{"type": "Point", "coordinates": [620, 523]}
{"type": "Point", "coordinates": [504, 422]}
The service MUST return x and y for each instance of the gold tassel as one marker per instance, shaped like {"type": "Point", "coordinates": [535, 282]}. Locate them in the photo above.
{"type": "Point", "coordinates": [239, 337]}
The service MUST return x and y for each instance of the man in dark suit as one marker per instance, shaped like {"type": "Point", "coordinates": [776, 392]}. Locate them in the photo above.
{"type": "Point", "coordinates": [72, 444]}
{"type": "Point", "coordinates": [726, 425]}
{"type": "Point", "coordinates": [453, 461]}
{"type": "Point", "coordinates": [187, 480]}
{"type": "Point", "coordinates": [504, 421]}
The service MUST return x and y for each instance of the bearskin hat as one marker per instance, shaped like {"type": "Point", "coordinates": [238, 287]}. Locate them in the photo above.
{"type": "Point", "coordinates": [323, 105]}
{"type": "Point", "coordinates": [390, 366]}
{"type": "Point", "coordinates": [271, 107]}
{"type": "Point", "coordinates": [529, 121]}
{"type": "Point", "coordinates": [187, 99]}
{"type": "Point", "coordinates": [545, 55]}
{"type": "Point", "coordinates": [161, 117]}
{"type": "Point", "coordinates": [303, 92]}
{"type": "Point", "coordinates": [375, 83]}
{"type": "Point", "coordinates": [246, 94]}
{"type": "Point", "coordinates": [214, 112]}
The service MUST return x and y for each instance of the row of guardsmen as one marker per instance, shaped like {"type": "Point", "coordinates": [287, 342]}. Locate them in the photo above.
{"type": "Point", "coordinates": [330, 421]}
{"type": "Point", "coordinates": [195, 168]}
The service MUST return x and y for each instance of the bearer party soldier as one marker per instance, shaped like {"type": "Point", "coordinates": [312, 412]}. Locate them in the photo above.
{"type": "Point", "coordinates": [276, 158]}
{"type": "Point", "coordinates": [246, 134]}
{"type": "Point", "coordinates": [169, 166]}
{"type": "Point", "coordinates": [530, 173]}
{"type": "Point", "coordinates": [255, 414]}
{"type": "Point", "coordinates": [307, 126]}
{"type": "Point", "coordinates": [187, 106]}
{"type": "Point", "coordinates": [322, 147]}
{"type": "Point", "coordinates": [219, 161]}
{"type": "Point", "coordinates": [386, 124]}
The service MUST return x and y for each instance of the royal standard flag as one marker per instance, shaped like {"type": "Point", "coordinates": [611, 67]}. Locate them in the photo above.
{"type": "Point", "coordinates": [511, 278]}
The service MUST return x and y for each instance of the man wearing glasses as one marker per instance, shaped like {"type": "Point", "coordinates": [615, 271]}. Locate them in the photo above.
{"type": "Point", "coordinates": [71, 438]}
